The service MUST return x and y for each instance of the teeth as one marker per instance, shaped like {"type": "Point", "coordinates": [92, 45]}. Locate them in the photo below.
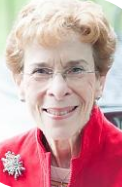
{"type": "Point", "coordinates": [59, 113]}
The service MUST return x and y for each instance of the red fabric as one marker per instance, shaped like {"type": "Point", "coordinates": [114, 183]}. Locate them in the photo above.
{"type": "Point", "coordinates": [98, 165]}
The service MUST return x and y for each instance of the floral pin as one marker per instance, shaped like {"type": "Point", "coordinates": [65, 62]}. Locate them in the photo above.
{"type": "Point", "coordinates": [12, 164]}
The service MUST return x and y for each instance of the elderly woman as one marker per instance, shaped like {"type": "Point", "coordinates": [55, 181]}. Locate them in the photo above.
{"type": "Point", "coordinates": [59, 53]}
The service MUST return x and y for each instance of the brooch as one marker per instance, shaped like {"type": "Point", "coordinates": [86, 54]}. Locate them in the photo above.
{"type": "Point", "coordinates": [13, 164]}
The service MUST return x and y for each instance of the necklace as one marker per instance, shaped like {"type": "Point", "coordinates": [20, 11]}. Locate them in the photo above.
{"type": "Point", "coordinates": [59, 176]}
{"type": "Point", "coordinates": [58, 184]}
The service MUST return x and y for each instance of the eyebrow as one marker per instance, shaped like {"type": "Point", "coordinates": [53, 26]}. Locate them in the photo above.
{"type": "Point", "coordinates": [69, 63]}
{"type": "Point", "coordinates": [39, 64]}
{"type": "Point", "coordinates": [76, 62]}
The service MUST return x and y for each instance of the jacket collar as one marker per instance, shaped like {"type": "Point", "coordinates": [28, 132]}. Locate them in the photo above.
{"type": "Point", "coordinates": [91, 142]}
{"type": "Point", "coordinates": [92, 133]}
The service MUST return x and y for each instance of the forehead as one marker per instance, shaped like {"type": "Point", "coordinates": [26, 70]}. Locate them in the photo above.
{"type": "Point", "coordinates": [66, 52]}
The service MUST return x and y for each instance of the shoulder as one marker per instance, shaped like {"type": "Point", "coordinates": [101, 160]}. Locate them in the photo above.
{"type": "Point", "coordinates": [112, 132]}
{"type": "Point", "coordinates": [19, 145]}
{"type": "Point", "coordinates": [112, 137]}
{"type": "Point", "coordinates": [108, 133]}
{"type": "Point", "coordinates": [18, 141]}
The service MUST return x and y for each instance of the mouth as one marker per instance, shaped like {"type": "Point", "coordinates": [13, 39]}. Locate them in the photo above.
{"type": "Point", "coordinates": [60, 112]}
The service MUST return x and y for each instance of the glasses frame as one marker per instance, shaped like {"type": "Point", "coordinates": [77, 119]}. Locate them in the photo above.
{"type": "Point", "coordinates": [64, 74]}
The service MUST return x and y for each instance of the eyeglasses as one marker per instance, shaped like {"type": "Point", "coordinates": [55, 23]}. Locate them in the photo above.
{"type": "Point", "coordinates": [72, 73]}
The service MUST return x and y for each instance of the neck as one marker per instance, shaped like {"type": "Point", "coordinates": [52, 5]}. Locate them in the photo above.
{"type": "Point", "coordinates": [64, 150]}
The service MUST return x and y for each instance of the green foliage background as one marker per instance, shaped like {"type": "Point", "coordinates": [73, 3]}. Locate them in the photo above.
{"type": "Point", "coordinates": [9, 10]}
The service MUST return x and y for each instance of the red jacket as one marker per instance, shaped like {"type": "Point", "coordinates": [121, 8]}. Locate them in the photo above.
{"type": "Point", "coordinates": [98, 165]}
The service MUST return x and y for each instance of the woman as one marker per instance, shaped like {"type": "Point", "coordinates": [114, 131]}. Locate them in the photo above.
{"type": "Point", "coordinates": [59, 53]}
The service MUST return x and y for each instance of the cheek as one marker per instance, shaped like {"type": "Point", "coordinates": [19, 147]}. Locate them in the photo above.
{"type": "Point", "coordinates": [34, 99]}
{"type": "Point", "coordinates": [85, 88]}
{"type": "Point", "coordinates": [33, 91]}
{"type": "Point", "coordinates": [31, 95]}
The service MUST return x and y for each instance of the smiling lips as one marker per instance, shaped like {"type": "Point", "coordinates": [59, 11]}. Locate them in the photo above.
{"type": "Point", "coordinates": [60, 112]}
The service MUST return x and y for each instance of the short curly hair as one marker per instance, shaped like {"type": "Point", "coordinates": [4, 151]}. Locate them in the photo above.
{"type": "Point", "coordinates": [51, 21]}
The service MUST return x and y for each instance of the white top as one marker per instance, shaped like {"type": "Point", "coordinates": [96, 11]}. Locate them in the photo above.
{"type": "Point", "coordinates": [60, 174]}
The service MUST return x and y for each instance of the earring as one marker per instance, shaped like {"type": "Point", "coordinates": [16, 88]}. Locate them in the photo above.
{"type": "Point", "coordinates": [22, 100]}
{"type": "Point", "coordinates": [98, 98]}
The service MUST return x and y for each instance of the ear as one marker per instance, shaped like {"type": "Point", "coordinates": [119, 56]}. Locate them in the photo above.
{"type": "Point", "coordinates": [100, 86]}
{"type": "Point", "coordinates": [18, 78]}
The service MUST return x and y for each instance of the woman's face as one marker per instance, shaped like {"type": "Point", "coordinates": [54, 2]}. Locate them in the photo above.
{"type": "Point", "coordinates": [60, 107]}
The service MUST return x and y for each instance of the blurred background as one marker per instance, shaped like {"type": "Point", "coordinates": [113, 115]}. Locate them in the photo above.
{"type": "Point", "coordinates": [14, 116]}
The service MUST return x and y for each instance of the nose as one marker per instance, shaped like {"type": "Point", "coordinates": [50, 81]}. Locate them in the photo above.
{"type": "Point", "coordinates": [58, 88]}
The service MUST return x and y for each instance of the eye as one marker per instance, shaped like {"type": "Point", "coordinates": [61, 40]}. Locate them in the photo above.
{"type": "Point", "coordinates": [42, 71]}
{"type": "Point", "coordinates": [75, 70]}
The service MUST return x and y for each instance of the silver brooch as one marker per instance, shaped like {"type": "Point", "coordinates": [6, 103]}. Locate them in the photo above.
{"type": "Point", "coordinates": [13, 164]}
